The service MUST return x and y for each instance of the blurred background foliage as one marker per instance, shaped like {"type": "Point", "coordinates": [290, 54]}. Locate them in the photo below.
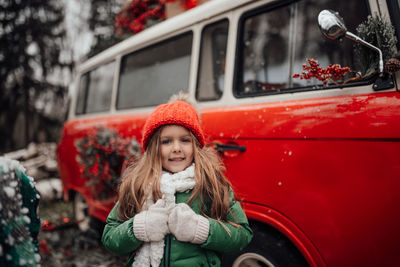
{"type": "Point", "coordinates": [40, 43]}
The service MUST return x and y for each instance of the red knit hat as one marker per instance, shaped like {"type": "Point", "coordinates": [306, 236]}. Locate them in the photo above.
{"type": "Point", "coordinates": [179, 113]}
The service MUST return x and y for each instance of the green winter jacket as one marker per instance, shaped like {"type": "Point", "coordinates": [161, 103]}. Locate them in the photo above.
{"type": "Point", "coordinates": [118, 237]}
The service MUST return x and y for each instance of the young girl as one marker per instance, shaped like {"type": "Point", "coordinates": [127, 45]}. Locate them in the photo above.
{"type": "Point", "coordinates": [175, 208]}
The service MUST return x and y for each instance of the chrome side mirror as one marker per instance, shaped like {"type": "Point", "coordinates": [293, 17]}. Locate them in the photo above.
{"type": "Point", "coordinates": [333, 27]}
{"type": "Point", "coordinates": [331, 24]}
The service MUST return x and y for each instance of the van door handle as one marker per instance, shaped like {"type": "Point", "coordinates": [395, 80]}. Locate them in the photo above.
{"type": "Point", "coordinates": [225, 147]}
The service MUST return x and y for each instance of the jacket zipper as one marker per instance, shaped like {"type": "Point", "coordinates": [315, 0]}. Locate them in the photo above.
{"type": "Point", "coordinates": [167, 251]}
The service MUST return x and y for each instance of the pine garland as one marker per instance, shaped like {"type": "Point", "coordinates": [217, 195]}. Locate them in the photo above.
{"type": "Point", "coordinates": [380, 33]}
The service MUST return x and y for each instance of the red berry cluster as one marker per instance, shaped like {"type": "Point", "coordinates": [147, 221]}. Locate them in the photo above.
{"type": "Point", "coordinates": [313, 70]}
{"type": "Point", "coordinates": [134, 14]}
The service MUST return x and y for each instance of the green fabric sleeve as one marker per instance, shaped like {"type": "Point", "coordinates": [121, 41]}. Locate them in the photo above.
{"type": "Point", "coordinates": [118, 235]}
{"type": "Point", "coordinates": [227, 238]}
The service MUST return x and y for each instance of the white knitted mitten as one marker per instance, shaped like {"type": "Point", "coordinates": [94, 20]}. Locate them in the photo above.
{"type": "Point", "coordinates": [187, 226]}
{"type": "Point", "coordinates": [151, 225]}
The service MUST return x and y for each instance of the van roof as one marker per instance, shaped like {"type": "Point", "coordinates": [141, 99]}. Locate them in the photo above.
{"type": "Point", "coordinates": [205, 11]}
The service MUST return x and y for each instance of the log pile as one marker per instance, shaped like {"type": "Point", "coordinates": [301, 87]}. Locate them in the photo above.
{"type": "Point", "coordinates": [40, 163]}
{"type": "Point", "coordinates": [38, 159]}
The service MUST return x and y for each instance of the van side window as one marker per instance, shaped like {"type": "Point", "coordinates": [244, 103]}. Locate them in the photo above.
{"type": "Point", "coordinates": [95, 89]}
{"type": "Point", "coordinates": [275, 41]}
{"type": "Point", "coordinates": [210, 83]}
{"type": "Point", "coordinates": [150, 76]}
{"type": "Point", "coordinates": [82, 90]}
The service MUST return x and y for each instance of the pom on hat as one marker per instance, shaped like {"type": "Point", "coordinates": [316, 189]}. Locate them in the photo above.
{"type": "Point", "coordinates": [178, 113]}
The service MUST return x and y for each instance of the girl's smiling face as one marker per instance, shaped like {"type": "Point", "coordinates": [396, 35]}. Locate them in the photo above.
{"type": "Point", "coordinates": [176, 148]}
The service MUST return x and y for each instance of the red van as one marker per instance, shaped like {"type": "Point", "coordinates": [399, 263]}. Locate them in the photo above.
{"type": "Point", "coordinates": [316, 163]}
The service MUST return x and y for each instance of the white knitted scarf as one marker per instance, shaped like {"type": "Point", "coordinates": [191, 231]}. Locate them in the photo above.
{"type": "Point", "coordinates": [151, 253]}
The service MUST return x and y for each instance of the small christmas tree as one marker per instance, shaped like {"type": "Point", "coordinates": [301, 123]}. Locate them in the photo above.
{"type": "Point", "coordinates": [19, 223]}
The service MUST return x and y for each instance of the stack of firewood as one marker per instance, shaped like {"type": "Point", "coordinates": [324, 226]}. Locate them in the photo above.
{"type": "Point", "coordinates": [40, 163]}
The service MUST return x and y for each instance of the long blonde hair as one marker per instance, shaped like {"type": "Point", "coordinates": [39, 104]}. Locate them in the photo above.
{"type": "Point", "coordinates": [212, 187]}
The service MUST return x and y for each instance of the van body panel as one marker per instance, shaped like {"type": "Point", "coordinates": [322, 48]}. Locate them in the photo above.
{"type": "Point", "coordinates": [306, 158]}
{"type": "Point", "coordinates": [283, 224]}
{"type": "Point", "coordinates": [371, 116]}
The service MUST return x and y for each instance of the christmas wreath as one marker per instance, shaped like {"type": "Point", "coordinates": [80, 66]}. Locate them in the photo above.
{"type": "Point", "coordinates": [101, 156]}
